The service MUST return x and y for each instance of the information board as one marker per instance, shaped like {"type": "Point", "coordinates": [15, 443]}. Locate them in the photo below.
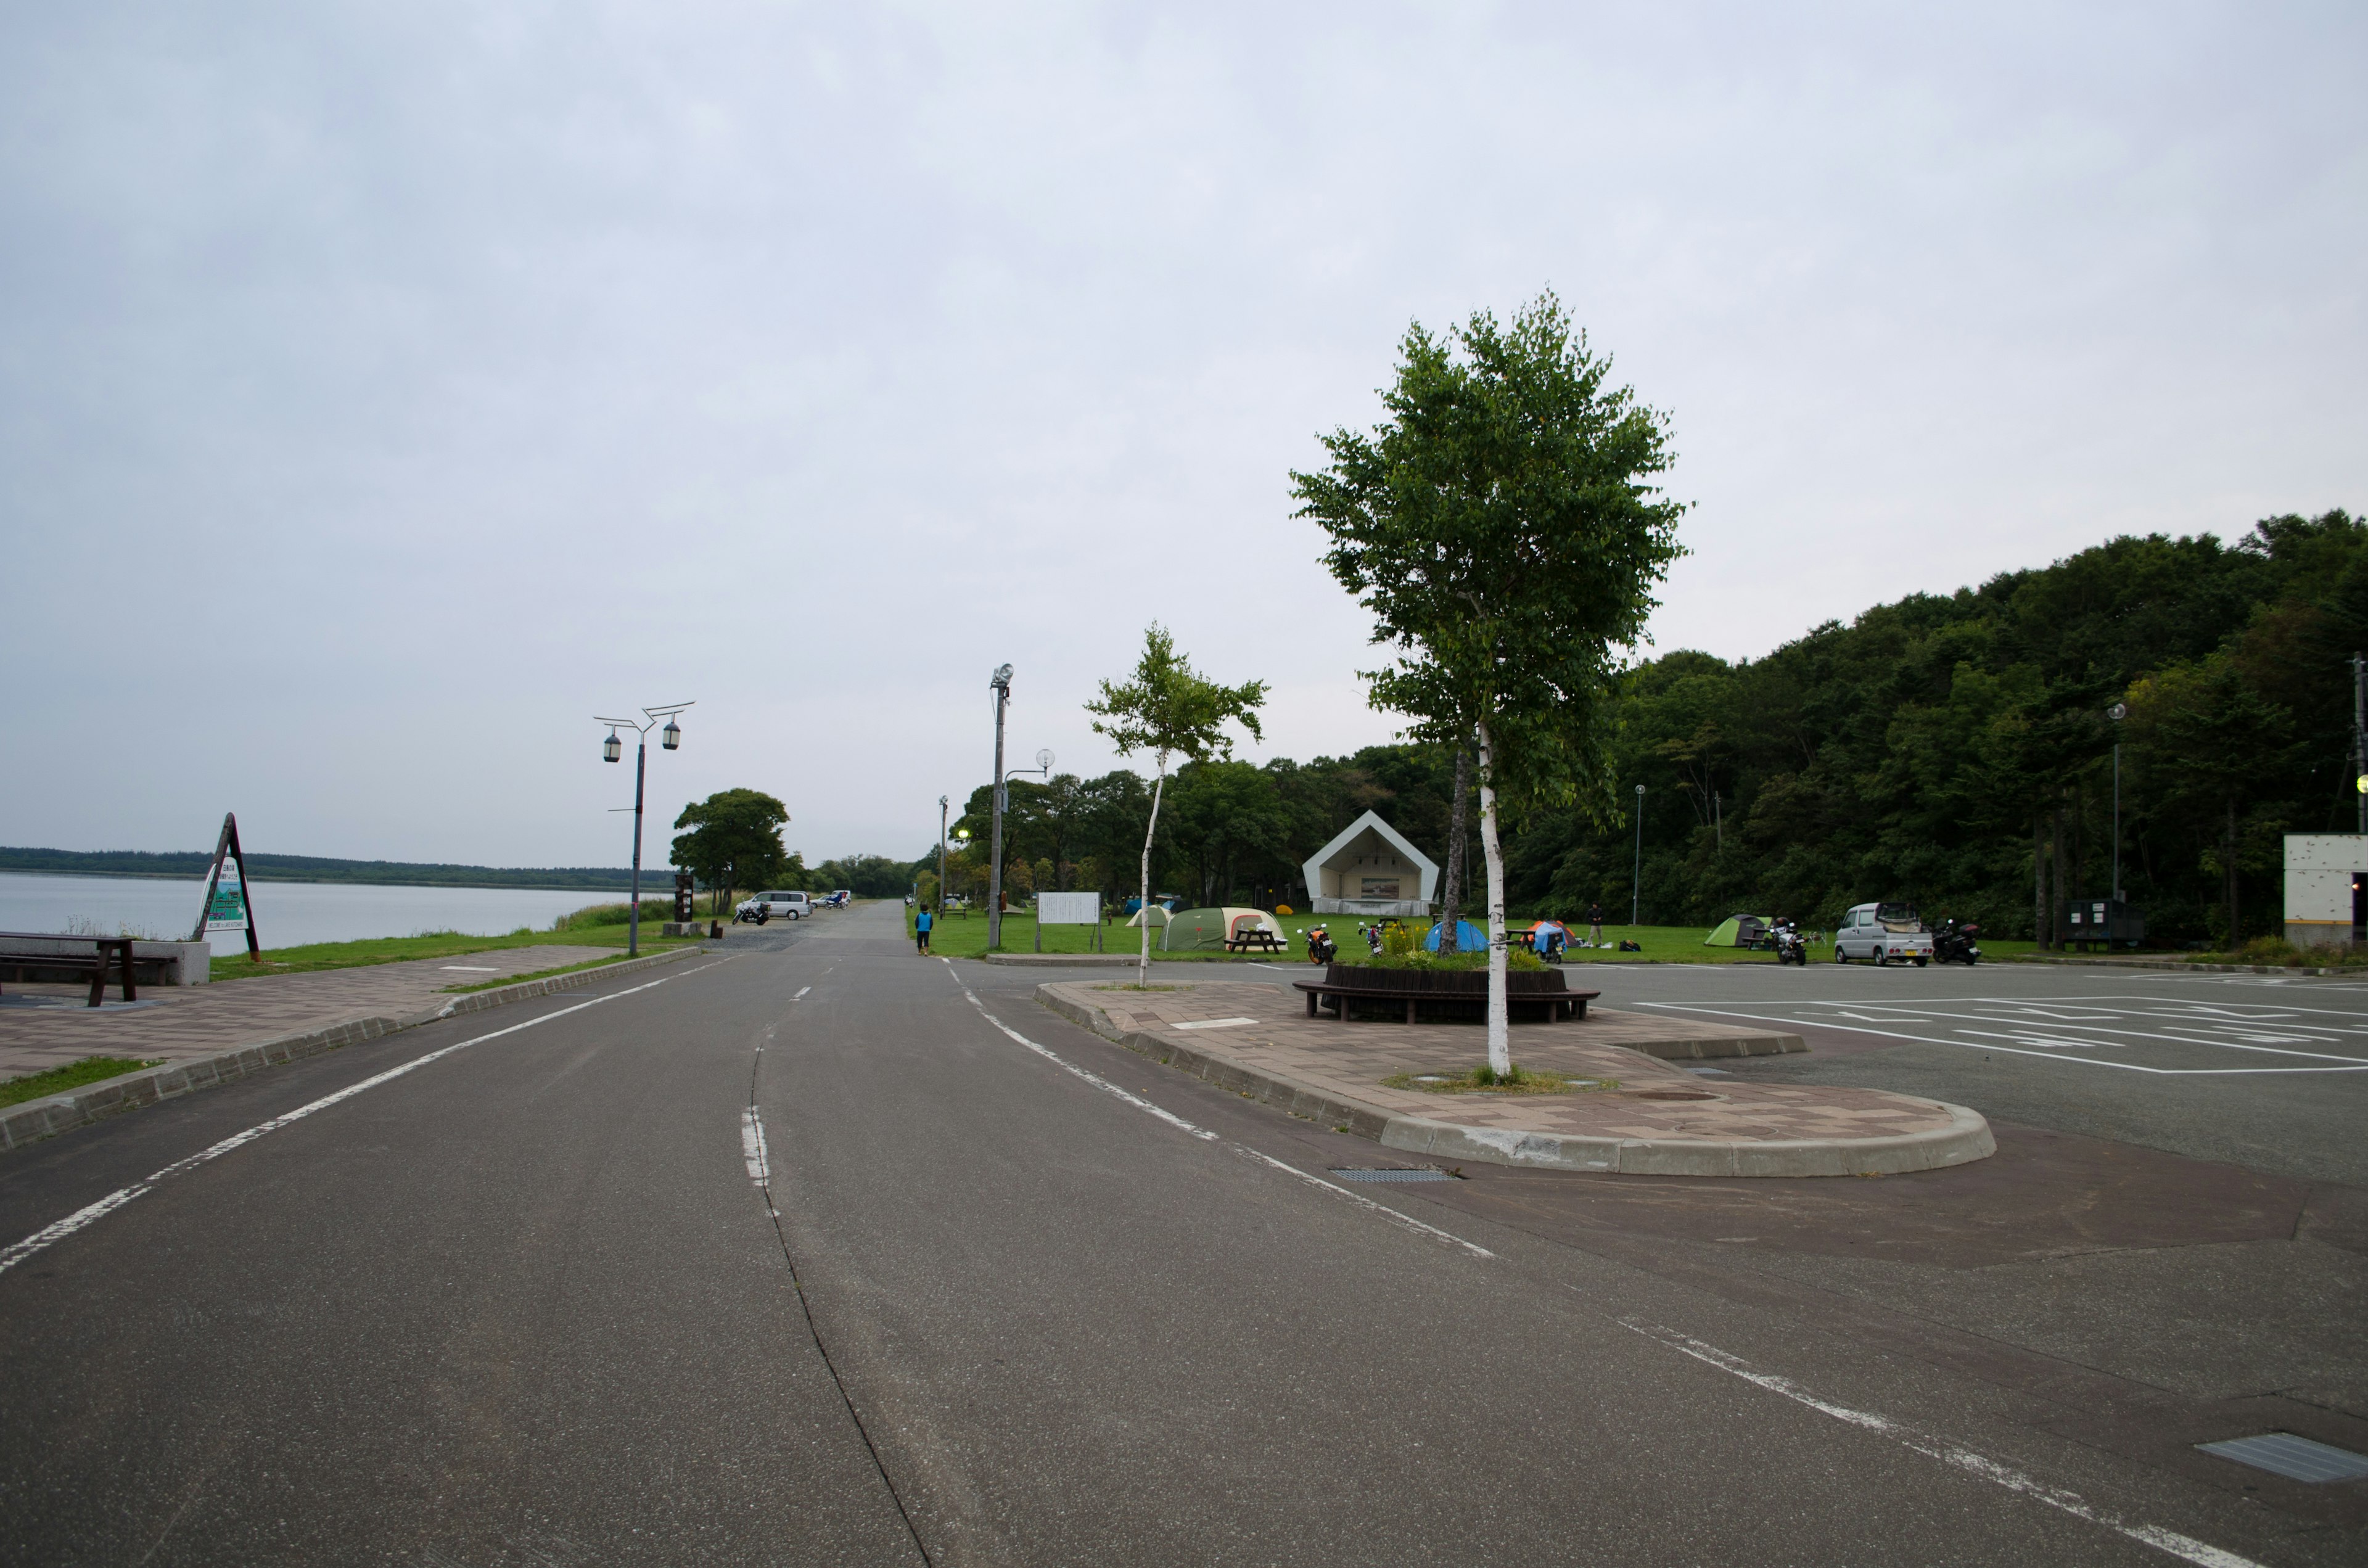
{"type": "Point", "coordinates": [1068, 909]}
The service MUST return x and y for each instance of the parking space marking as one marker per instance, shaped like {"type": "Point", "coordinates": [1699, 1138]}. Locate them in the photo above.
{"type": "Point", "coordinates": [2101, 1031]}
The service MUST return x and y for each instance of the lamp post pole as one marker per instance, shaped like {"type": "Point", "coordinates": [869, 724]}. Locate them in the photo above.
{"type": "Point", "coordinates": [1636, 887]}
{"type": "Point", "coordinates": [610, 749]}
{"type": "Point", "coordinates": [2360, 735]}
{"type": "Point", "coordinates": [942, 853]}
{"type": "Point", "coordinates": [2117, 712]}
{"type": "Point", "coordinates": [1001, 686]}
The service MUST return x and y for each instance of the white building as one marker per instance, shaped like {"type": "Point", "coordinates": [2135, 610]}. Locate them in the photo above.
{"type": "Point", "coordinates": [2323, 875]}
{"type": "Point", "coordinates": [1371, 870]}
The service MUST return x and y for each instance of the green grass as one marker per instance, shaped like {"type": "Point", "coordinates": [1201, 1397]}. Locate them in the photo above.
{"type": "Point", "coordinates": [572, 932]}
{"type": "Point", "coordinates": [72, 1075]}
{"type": "Point", "coordinates": [959, 937]}
{"type": "Point", "coordinates": [1485, 1080]}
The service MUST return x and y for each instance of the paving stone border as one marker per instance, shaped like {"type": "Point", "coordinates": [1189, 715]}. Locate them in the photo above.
{"type": "Point", "coordinates": [1963, 1138]}
{"type": "Point", "coordinates": [53, 1114]}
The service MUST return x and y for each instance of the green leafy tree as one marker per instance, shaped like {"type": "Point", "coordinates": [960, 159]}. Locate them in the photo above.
{"type": "Point", "coordinates": [1502, 527]}
{"type": "Point", "coordinates": [734, 841]}
{"type": "Point", "coordinates": [1171, 710]}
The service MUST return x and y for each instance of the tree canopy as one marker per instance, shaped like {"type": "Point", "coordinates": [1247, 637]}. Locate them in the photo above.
{"type": "Point", "coordinates": [734, 840]}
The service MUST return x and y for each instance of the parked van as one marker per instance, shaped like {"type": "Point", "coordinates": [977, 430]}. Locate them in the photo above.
{"type": "Point", "coordinates": [1884, 933]}
{"type": "Point", "coordinates": [761, 907]}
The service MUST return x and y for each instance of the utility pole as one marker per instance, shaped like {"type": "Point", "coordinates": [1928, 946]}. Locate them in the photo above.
{"type": "Point", "coordinates": [1636, 889]}
{"type": "Point", "coordinates": [942, 853]}
{"type": "Point", "coordinates": [1001, 684]}
{"type": "Point", "coordinates": [1718, 821]}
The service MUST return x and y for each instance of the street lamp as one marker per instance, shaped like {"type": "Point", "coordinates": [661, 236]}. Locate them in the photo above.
{"type": "Point", "coordinates": [1000, 684]}
{"type": "Point", "coordinates": [941, 854]}
{"type": "Point", "coordinates": [611, 750]}
{"type": "Point", "coordinates": [2117, 712]}
{"type": "Point", "coordinates": [1636, 887]}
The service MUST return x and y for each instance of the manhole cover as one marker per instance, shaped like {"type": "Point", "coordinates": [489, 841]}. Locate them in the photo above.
{"type": "Point", "coordinates": [1393, 1175]}
{"type": "Point", "coordinates": [2282, 1453]}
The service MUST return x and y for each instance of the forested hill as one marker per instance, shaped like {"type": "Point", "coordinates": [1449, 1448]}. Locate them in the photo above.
{"type": "Point", "coordinates": [315, 869]}
{"type": "Point", "coordinates": [1951, 750]}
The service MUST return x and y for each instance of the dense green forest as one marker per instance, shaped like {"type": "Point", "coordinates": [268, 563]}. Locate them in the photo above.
{"type": "Point", "coordinates": [1954, 750]}
{"type": "Point", "coordinates": [316, 868]}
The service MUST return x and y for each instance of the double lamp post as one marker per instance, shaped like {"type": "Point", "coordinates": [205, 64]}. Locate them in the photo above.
{"type": "Point", "coordinates": [611, 750]}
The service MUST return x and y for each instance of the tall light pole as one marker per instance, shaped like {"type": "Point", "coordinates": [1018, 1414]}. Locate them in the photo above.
{"type": "Point", "coordinates": [1000, 684]}
{"type": "Point", "coordinates": [610, 749]}
{"type": "Point", "coordinates": [1636, 888]}
{"type": "Point", "coordinates": [2117, 712]}
{"type": "Point", "coordinates": [941, 854]}
{"type": "Point", "coordinates": [2359, 737]}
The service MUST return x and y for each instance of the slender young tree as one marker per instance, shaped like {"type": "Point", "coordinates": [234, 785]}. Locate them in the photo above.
{"type": "Point", "coordinates": [1171, 710]}
{"type": "Point", "coordinates": [1503, 527]}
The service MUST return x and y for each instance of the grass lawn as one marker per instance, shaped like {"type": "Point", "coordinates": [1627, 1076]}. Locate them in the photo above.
{"type": "Point", "coordinates": [959, 937]}
{"type": "Point", "coordinates": [72, 1075]}
{"type": "Point", "coordinates": [434, 945]}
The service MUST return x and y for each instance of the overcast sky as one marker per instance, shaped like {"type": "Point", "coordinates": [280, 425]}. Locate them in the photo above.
{"type": "Point", "coordinates": [385, 390]}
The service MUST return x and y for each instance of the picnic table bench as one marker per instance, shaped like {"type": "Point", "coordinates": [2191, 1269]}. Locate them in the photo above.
{"type": "Point", "coordinates": [1260, 938]}
{"type": "Point", "coordinates": [1558, 1004]}
{"type": "Point", "coordinates": [113, 953]}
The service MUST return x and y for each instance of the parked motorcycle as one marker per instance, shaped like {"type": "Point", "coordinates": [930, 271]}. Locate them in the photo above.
{"type": "Point", "coordinates": [1319, 945]}
{"type": "Point", "coordinates": [1373, 935]}
{"type": "Point", "coordinates": [1791, 945]}
{"type": "Point", "coordinates": [1953, 943]}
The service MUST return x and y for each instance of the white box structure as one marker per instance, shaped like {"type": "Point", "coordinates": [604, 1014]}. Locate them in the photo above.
{"type": "Point", "coordinates": [1370, 869]}
{"type": "Point", "coordinates": [2324, 872]}
{"type": "Point", "coordinates": [1068, 909]}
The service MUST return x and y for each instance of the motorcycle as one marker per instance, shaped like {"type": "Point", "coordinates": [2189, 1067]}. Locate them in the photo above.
{"type": "Point", "coordinates": [1319, 945]}
{"type": "Point", "coordinates": [1373, 935]}
{"type": "Point", "coordinates": [1953, 943]}
{"type": "Point", "coordinates": [1791, 948]}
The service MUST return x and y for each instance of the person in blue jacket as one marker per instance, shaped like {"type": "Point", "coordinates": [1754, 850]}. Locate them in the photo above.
{"type": "Point", "coordinates": [921, 930]}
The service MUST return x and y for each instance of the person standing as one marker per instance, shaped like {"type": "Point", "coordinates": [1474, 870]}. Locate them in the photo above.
{"type": "Point", "coordinates": [921, 930]}
{"type": "Point", "coordinates": [1595, 926]}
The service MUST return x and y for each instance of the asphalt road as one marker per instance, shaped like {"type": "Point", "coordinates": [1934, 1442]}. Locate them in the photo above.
{"type": "Point", "coordinates": [816, 1251]}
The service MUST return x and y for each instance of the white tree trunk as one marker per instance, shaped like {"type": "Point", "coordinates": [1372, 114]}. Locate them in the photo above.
{"type": "Point", "coordinates": [1142, 909]}
{"type": "Point", "coordinates": [1500, 1043]}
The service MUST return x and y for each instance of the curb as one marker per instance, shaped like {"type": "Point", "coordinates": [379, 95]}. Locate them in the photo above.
{"type": "Point", "coordinates": [1965, 1139]}
{"type": "Point", "coordinates": [53, 1114]}
{"type": "Point", "coordinates": [2178, 965]}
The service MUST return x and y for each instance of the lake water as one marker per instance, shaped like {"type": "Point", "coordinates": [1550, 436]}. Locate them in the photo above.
{"type": "Point", "coordinates": [287, 915]}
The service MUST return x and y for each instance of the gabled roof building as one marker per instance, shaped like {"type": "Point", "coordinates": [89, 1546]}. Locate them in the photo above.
{"type": "Point", "coordinates": [1370, 869]}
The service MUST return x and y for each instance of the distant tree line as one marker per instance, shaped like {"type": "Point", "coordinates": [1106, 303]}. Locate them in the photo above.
{"type": "Point", "coordinates": [1953, 750]}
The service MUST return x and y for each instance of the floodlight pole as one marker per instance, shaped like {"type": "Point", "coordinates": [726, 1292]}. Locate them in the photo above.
{"type": "Point", "coordinates": [2360, 735]}
{"type": "Point", "coordinates": [1001, 686]}
{"type": "Point", "coordinates": [1636, 888]}
{"type": "Point", "coordinates": [2117, 712]}
{"type": "Point", "coordinates": [640, 772]}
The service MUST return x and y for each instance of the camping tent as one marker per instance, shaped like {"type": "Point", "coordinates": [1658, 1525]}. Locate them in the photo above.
{"type": "Point", "coordinates": [1469, 939]}
{"type": "Point", "coordinates": [1207, 929]}
{"type": "Point", "coordinates": [1158, 912]}
{"type": "Point", "coordinates": [1548, 928]}
{"type": "Point", "coordinates": [1740, 931]}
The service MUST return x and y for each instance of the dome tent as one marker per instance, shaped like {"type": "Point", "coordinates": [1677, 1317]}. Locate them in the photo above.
{"type": "Point", "coordinates": [1469, 939]}
{"type": "Point", "coordinates": [1740, 931]}
{"type": "Point", "coordinates": [1206, 930]}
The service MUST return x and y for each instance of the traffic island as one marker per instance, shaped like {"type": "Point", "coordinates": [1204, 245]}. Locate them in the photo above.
{"type": "Point", "coordinates": [1625, 1108]}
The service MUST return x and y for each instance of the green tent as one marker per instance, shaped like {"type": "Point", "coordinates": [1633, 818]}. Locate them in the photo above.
{"type": "Point", "coordinates": [1192, 930]}
{"type": "Point", "coordinates": [1740, 931]}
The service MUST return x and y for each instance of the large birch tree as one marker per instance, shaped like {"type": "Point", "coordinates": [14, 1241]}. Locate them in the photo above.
{"type": "Point", "coordinates": [1171, 710]}
{"type": "Point", "coordinates": [1503, 526]}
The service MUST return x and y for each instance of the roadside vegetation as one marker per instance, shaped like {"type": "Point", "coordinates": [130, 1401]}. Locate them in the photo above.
{"type": "Point", "coordinates": [72, 1075]}
{"type": "Point", "coordinates": [1511, 1079]}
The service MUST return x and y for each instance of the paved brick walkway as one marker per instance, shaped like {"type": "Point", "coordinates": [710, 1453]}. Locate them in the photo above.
{"type": "Point", "coordinates": [1655, 1100]}
{"type": "Point", "coordinates": [197, 1020]}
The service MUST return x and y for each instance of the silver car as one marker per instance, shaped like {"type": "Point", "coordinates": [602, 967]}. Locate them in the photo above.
{"type": "Point", "coordinates": [1885, 933]}
{"type": "Point", "coordinates": [761, 907]}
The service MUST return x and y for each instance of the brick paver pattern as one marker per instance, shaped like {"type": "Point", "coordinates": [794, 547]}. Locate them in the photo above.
{"type": "Point", "coordinates": [1654, 1100]}
{"type": "Point", "coordinates": [197, 1020]}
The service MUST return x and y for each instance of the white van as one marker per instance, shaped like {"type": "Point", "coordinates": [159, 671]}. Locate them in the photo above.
{"type": "Point", "coordinates": [1884, 933]}
{"type": "Point", "coordinates": [761, 907]}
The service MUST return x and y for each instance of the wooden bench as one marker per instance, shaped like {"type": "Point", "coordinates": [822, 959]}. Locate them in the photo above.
{"type": "Point", "coordinates": [1559, 1005]}
{"type": "Point", "coordinates": [111, 952]}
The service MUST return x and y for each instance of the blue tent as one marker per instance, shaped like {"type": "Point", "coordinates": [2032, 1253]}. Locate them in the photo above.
{"type": "Point", "coordinates": [1469, 939]}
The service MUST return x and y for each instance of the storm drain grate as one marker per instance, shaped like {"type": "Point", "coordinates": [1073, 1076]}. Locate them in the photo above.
{"type": "Point", "coordinates": [2282, 1453]}
{"type": "Point", "coordinates": [1393, 1175]}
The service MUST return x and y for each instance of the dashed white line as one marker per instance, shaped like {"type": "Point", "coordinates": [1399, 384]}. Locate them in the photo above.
{"type": "Point", "coordinates": [752, 1148]}
{"type": "Point", "coordinates": [81, 1219]}
{"type": "Point", "coordinates": [2186, 1547]}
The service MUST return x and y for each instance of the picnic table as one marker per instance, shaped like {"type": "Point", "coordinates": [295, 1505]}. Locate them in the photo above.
{"type": "Point", "coordinates": [1258, 937]}
{"type": "Point", "coordinates": [111, 952]}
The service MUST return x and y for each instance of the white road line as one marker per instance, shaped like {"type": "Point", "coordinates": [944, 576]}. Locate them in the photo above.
{"type": "Point", "coordinates": [81, 1219]}
{"type": "Point", "coordinates": [1144, 1105]}
{"type": "Point", "coordinates": [2186, 1547]}
{"type": "Point", "coordinates": [1827, 1022]}
{"type": "Point", "coordinates": [801, 993]}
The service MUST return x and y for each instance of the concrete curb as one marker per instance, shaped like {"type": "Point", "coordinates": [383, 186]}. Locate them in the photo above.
{"type": "Point", "coordinates": [2177, 966]}
{"type": "Point", "coordinates": [1965, 1139]}
{"type": "Point", "coordinates": [36, 1120]}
